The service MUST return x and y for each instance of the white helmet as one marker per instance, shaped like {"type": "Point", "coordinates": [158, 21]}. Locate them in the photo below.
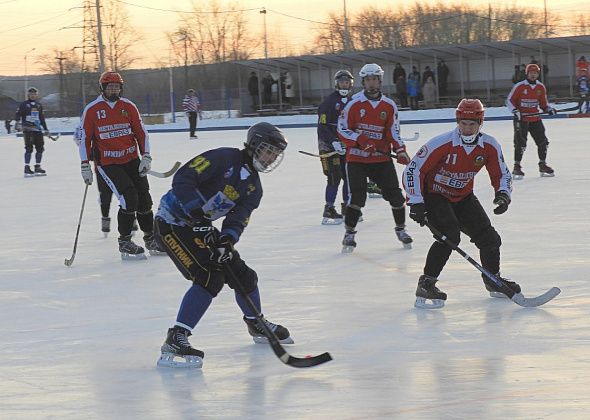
{"type": "Point", "coordinates": [371, 69]}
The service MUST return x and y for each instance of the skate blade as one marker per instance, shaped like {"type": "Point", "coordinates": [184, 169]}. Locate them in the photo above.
{"type": "Point", "coordinates": [423, 303]}
{"type": "Point", "coordinates": [330, 221]}
{"type": "Point", "coordinates": [132, 257]}
{"type": "Point", "coordinates": [546, 175]}
{"type": "Point", "coordinates": [517, 177]}
{"type": "Point", "coordinates": [347, 249]}
{"type": "Point", "coordinates": [29, 175]}
{"type": "Point", "coordinates": [261, 339]}
{"type": "Point", "coordinates": [154, 252]}
{"type": "Point", "coordinates": [499, 295]}
{"type": "Point", "coordinates": [40, 175]}
{"type": "Point", "coordinates": [105, 234]}
{"type": "Point", "coordinates": [190, 362]}
{"type": "Point", "coordinates": [375, 195]}
{"type": "Point", "coordinates": [407, 245]}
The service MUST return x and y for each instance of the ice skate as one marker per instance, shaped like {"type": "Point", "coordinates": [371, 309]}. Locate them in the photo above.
{"type": "Point", "coordinates": [258, 335]}
{"type": "Point", "coordinates": [545, 170]}
{"type": "Point", "coordinates": [427, 291]}
{"type": "Point", "coordinates": [130, 250]}
{"type": "Point", "coordinates": [493, 289]}
{"type": "Point", "coordinates": [105, 225]}
{"type": "Point", "coordinates": [152, 245]}
{"type": "Point", "coordinates": [331, 216]}
{"type": "Point", "coordinates": [403, 237]}
{"type": "Point", "coordinates": [39, 171]}
{"type": "Point", "coordinates": [517, 172]}
{"type": "Point", "coordinates": [348, 242]}
{"type": "Point", "coordinates": [373, 190]}
{"type": "Point", "coordinates": [194, 137]}
{"type": "Point", "coordinates": [177, 346]}
{"type": "Point", "coordinates": [28, 172]}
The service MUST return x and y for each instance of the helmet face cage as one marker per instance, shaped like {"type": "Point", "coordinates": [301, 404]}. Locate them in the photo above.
{"type": "Point", "coordinates": [532, 67]}
{"type": "Point", "coordinates": [372, 69]}
{"type": "Point", "coordinates": [110, 77]}
{"type": "Point", "coordinates": [473, 110]}
{"type": "Point", "coordinates": [266, 144]}
{"type": "Point", "coordinates": [343, 75]}
{"type": "Point", "coordinates": [32, 91]}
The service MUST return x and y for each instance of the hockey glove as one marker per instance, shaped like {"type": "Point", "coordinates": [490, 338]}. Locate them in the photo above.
{"type": "Point", "coordinates": [516, 114]}
{"type": "Point", "coordinates": [86, 173]}
{"type": "Point", "coordinates": [551, 111]}
{"type": "Point", "coordinates": [502, 201]}
{"type": "Point", "coordinates": [418, 213]}
{"type": "Point", "coordinates": [46, 132]}
{"type": "Point", "coordinates": [338, 147]}
{"type": "Point", "coordinates": [222, 249]}
{"type": "Point", "coordinates": [402, 157]}
{"type": "Point", "coordinates": [145, 165]}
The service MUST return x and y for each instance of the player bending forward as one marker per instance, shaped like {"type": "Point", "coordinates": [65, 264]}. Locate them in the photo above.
{"type": "Point", "coordinates": [439, 186]}
{"type": "Point", "coordinates": [220, 183]}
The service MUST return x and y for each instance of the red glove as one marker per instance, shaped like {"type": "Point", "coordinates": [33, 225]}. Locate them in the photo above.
{"type": "Point", "coordinates": [402, 157]}
{"type": "Point", "coordinates": [366, 144]}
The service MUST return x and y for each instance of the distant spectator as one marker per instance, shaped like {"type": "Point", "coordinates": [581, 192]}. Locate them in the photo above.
{"type": "Point", "coordinates": [427, 73]}
{"type": "Point", "coordinates": [415, 73]}
{"type": "Point", "coordinates": [7, 125]}
{"type": "Point", "coordinates": [584, 92]}
{"type": "Point", "coordinates": [397, 72]}
{"type": "Point", "coordinates": [413, 89]}
{"type": "Point", "coordinates": [519, 73]}
{"type": "Point", "coordinates": [283, 87]}
{"type": "Point", "coordinates": [191, 106]}
{"type": "Point", "coordinates": [582, 67]}
{"type": "Point", "coordinates": [267, 83]}
{"type": "Point", "coordinates": [402, 90]}
{"type": "Point", "coordinates": [289, 87]}
{"type": "Point", "coordinates": [253, 89]}
{"type": "Point", "coordinates": [429, 91]}
{"type": "Point", "coordinates": [442, 71]}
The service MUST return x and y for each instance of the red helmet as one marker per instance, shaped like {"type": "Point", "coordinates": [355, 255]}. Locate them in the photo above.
{"type": "Point", "coordinates": [470, 109]}
{"type": "Point", "coordinates": [110, 77]}
{"type": "Point", "coordinates": [532, 67]}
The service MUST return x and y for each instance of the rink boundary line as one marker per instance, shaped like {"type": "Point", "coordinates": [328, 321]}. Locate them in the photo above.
{"type": "Point", "coordinates": [313, 125]}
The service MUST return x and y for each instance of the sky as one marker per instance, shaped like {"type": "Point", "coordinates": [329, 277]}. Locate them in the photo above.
{"type": "Point", "coordinates": [82, 342]}
{"type": "Point", "coordinates": [33, 28]}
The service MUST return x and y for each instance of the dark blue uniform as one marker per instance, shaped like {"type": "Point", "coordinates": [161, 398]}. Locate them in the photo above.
{"type": "Point", "coordinates": [30, 115]}
{"type": "Point", "coordinates": [219, 183]}
{"type": "Point", "coordinates": [332, 166]}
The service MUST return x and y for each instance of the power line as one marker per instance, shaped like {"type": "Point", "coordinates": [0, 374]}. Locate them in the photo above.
{"type": "Point", "coordinates": [185, 11]}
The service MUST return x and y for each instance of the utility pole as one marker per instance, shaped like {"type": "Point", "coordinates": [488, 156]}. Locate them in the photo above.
{"type": "Point", "coordinates": [346, 34]}
{"type": "Point", "coordinates": [489, 22]}
{"type": "Point", "coordinates": [26, 74]}
{"type": "Point", "coordinates": [61, 58]}
{"type": "Point", "coordinates": [99, 36]}
{"type": "Point", "coordinates": [263, 11]}
{"type": "Point", "coordinates": [546, 25]}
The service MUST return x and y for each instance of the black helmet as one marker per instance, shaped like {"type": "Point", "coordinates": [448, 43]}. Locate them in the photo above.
{"type": "Point", "coordinates": [266, 144]}
{"type": "Point", "coordinates": [33, 90]}
{"type": "Point", "coordinates": [343, 75]}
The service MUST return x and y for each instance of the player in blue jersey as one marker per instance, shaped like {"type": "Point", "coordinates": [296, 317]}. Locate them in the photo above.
{"type": "Point", "coordinates": [220, 183]}
{"type": "Point", "coordinates": [31, 119]}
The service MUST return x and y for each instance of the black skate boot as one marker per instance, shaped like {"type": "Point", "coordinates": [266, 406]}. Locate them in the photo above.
{"type": "Point", "coordinates": [177, 345]}
{"type": "Point", "coordinates": [152, 245]}
{"type": "Point", "coordinates": [28, 172]}
{"type": "Point", "coordinates": [373, 190]}
{"type": "Point", "coordinates": [517, 172]}
{"type": "Point", "coordinates": [331, 216]}
{"type": "Point", "coordinates": [546, 170]}
{"type": "Point", "coordinates": [427, 290]}
{"type": "Point", "coordinates": [105, 225]}
{"type": "Point", "coordinates": [495, 290]}
{"type": "Point", "coordinates": [39, 171]}
{"type": "Point", "coordinates": [348, 242]}
{"type": "Point", "coordinates": [259, 336]}
{"type": "Point", "coordinates": [403, 236]}
{"type": "Point", "coordinates": [130, 250]}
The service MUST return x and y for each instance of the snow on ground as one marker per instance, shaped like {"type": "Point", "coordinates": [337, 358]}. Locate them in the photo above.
{"type": "Point", "coordinates": [82, 342]}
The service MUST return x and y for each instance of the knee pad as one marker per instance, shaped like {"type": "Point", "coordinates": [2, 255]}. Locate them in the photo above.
{"type": "Point", "coordinates": [28, 148]}
{"type": "Point", "coordinates": [214, 283]}
{"type": "Point", "coordinates": [487, 239]}
{"type": "Point", "coordinates": [245, 275]}
{"type": "Point", "coordinates": [39, 148]}
{"type": "Point", "coordinates": [144, 203]}
{"type": "Point", "coordinates": [397, 200]}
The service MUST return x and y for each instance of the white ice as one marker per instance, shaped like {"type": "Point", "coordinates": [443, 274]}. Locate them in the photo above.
{"type": "Point", "coordinates": [82, 342]}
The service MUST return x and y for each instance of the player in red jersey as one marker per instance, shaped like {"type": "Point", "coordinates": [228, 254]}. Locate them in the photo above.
{"type": "Point", "coordinates": [439, 186]}
{"type": "Point", "coordinates": [112, 134]}
{"type": "Point", "coordinates": [527, 97]}
{"type": "Point", "coordinates": [369, 126]}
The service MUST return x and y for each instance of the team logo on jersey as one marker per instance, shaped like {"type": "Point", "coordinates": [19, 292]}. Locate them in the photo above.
{"type": "Point", "coordinates": [539, 92]}
{"type": "Point", "coordinates": [124, 113]}
{"type": "Point", "coordinates": [383, 115]}
{"type": "Point", "coordinates": [231, 193]}
{"type": "Point", "coordinates": [250, 189]}
{"type": "Point", "coordinates": [422, 152]}
{"type": "Point", "coordinates": [479, 160]}
{"type": "Point", "coordinates": [363, 112]}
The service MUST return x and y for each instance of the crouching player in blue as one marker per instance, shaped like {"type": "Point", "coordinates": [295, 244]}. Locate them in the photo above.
{"type": "Point", "coordinates": [219, 183]}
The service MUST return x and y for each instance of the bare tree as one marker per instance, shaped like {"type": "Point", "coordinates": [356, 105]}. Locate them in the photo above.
{"type": "Point", "coordinates": [121, 36]}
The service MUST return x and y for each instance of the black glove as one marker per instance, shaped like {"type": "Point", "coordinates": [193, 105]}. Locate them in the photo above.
{"type": "Point", "coordinates": [418, 213]}
{"type": "Point", "coordinates": [501, 201]}
{"type": "Point", "coordinates": [222, 248]}
{"type": "Point", "coordinates": [551, 111]}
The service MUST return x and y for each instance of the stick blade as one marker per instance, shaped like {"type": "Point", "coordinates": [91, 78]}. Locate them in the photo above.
{"type": "Point", "coordinates": [305, 362]}
{"type": "Point", "coordinates": [519, 299]}
{"type": "Point", "coordinates": [69, 262]}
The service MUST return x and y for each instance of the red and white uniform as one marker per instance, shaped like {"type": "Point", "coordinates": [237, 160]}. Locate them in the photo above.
{"type": "Point", "coordinates": [111, 132]}
{"type": "Point", "coordinates": [528, 98]}
{"type": "Point", "coordinates": [376, 120]}
{"type": "Point", "coordinates": [446, 166]}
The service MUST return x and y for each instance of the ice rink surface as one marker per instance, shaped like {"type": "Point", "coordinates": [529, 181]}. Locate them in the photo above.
{"type": "Point", "coordinates": [82, 342]}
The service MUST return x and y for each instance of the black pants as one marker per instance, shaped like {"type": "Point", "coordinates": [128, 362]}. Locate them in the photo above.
{"type": "Point", "coordinates": [188, 248]}
{"type": "Point", "coordinates": [133, 192]}
{"type": "Point", "coordinates": [537, 130]}
{"type": "Point", "coordinates": [469, 217]}
{"type": "Point", "coordinates": [33, 139]}
{"type": "Point", "coordinates": [192, 121]}
{"type": "Point", "coordinates": [383, 174]}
